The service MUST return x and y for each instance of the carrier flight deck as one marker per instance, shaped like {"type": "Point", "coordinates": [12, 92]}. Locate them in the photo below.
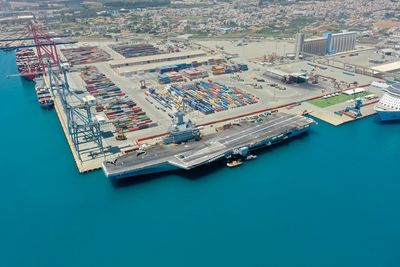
{"type": "Point", "coordinates": [239, 139]}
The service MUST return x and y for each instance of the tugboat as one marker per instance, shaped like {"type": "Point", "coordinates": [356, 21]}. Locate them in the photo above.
{"type": "Point", "coordinates": [234, 163]}
{"type": "Point", "coordinates": [250, 157]}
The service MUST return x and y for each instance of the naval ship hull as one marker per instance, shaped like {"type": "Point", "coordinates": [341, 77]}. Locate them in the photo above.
{"type": "Point", "coordinates": [388, 107]}
{"type": "Point", "coordinates": [246, 136]}
{"type": "Point", "coordinates": [387, 115]}
{"type": "Point", "coordinates": [153, 169]}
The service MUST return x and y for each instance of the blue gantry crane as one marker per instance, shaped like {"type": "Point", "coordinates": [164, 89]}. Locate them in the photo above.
{"type": "Point", "coordinates": [83, 127]}
{"type": "Point", "coordinates": [356, 109]}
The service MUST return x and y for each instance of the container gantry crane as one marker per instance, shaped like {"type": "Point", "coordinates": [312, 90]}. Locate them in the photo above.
{"type": "Point", "coordinates": [83, 127]}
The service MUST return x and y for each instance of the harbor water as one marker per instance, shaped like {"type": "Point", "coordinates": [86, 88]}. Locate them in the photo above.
{"type": "Point", "coordinates": [328, 198]}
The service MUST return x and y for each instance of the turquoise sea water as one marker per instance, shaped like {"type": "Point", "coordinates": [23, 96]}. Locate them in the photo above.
{"type": "Point", "coordinates": [329, 198]}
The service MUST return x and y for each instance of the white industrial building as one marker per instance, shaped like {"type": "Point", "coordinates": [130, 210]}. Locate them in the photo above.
{"type": "Point", "coordinates": [327, 44]}
{"type": "Point", "coordinates": [343, 42]}
{"type": "Point", "coordinates": [315, 46]}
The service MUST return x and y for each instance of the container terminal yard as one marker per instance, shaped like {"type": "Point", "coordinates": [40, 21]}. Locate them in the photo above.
{"type": "Point", "coordinates": [116, 101]}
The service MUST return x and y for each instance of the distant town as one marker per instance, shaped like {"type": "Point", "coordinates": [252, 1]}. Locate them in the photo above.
{"type": "Point", "coordinates": [372, 20]}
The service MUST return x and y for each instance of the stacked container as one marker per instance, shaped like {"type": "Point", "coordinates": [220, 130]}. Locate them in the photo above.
{"type": "Point", "coordinates": [170, 77]}
{"type": "Point", "coordinates": [98, 85]}
{"type": "Point", "coordinates": [204, 96]}
{"type": "Point", "coordinates": [193, 74]}
{"type": "Point", "coordinates": [123, 111]}
{"type": "Point", "coordinates": [215, 61]}
{"type": "Point", "coordinates": [164, 99]}
{"type": "Point", "coordinates": [85, 55]}
{"type": "Point", "coordinates": [243, 67]}
{"type": "Point", "coordinates": [136, 50]}
{"type": "Point", "coordinates": [224, 69]}
{"type": "Point", "coordinates": [127, 115]}
{"type": "Point", "coordinates": [218, 69]}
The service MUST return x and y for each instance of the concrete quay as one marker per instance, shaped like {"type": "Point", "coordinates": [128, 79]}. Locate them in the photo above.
{"type": "Point", "coordinates": [91, 158]}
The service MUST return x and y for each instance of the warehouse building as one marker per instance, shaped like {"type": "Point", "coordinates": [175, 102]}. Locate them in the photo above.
{"type": "Point", "coordinates": [165, 66]}
{"type": "Point", "coordinates": [389, 67]}
{"type": "Point", "coordinates": [161, 58]}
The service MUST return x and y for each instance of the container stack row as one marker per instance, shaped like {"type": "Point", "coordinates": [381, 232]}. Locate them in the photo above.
{"type": "Point", "coordinates": [136, 50]}
{"type": "Point", "coordinates": [164, 99]}
{"type": "Point", "coordinates": [170, 77]}
{"type": "Point", "coordinates": [218, 69]}
{"type": "Point", "coordinates": [98, 85]}
{"type": "Point", "coordinates": [215, 61]}
{"type": "Point", "coordinates": [207, 97]}
{"type": "Point", "coordinates": [224, 69]}
{"type": "Point", "coordinates": [193, 74]}
{"type": "Point", "coordinates": [122, 110]}
{"type": "Point", "coordinates": [127, 116]}
{"type": "Point", "coordinates": [85, 55]}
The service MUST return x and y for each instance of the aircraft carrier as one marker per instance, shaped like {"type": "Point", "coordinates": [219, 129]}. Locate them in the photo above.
{"type": "Point", "coordinates": [237, 140]}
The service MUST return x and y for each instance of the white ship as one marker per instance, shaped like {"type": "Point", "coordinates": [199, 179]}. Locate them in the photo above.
{"type": "Point", "coordinates": [388, 107]}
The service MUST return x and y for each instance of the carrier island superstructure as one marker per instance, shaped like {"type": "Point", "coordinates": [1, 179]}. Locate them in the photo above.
{"type": "Point", "coordinates": [189, 151]}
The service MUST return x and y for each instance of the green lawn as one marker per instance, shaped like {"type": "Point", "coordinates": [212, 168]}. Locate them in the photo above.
{"type": "Point", "coordinates": [326, 102]}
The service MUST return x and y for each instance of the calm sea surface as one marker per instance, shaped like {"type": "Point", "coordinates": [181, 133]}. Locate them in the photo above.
{"type": "Point", "coordinates": [329, 198]}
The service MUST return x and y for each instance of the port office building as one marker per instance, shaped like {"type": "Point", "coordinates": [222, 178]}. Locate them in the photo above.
{"type": "Point", "coordinates": [327, 44]}
{"type": "Point", "coordinates": [157, 63]}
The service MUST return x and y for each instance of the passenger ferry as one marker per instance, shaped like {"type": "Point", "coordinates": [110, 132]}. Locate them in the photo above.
{"type": "Point", "coordinates": [388, 107]}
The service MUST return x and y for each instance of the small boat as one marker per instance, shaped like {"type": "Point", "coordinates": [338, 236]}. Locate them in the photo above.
{"type": "Point", "coordinates": [250, 157]}
{"type": "Point", "coordinates": [234, 163]}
